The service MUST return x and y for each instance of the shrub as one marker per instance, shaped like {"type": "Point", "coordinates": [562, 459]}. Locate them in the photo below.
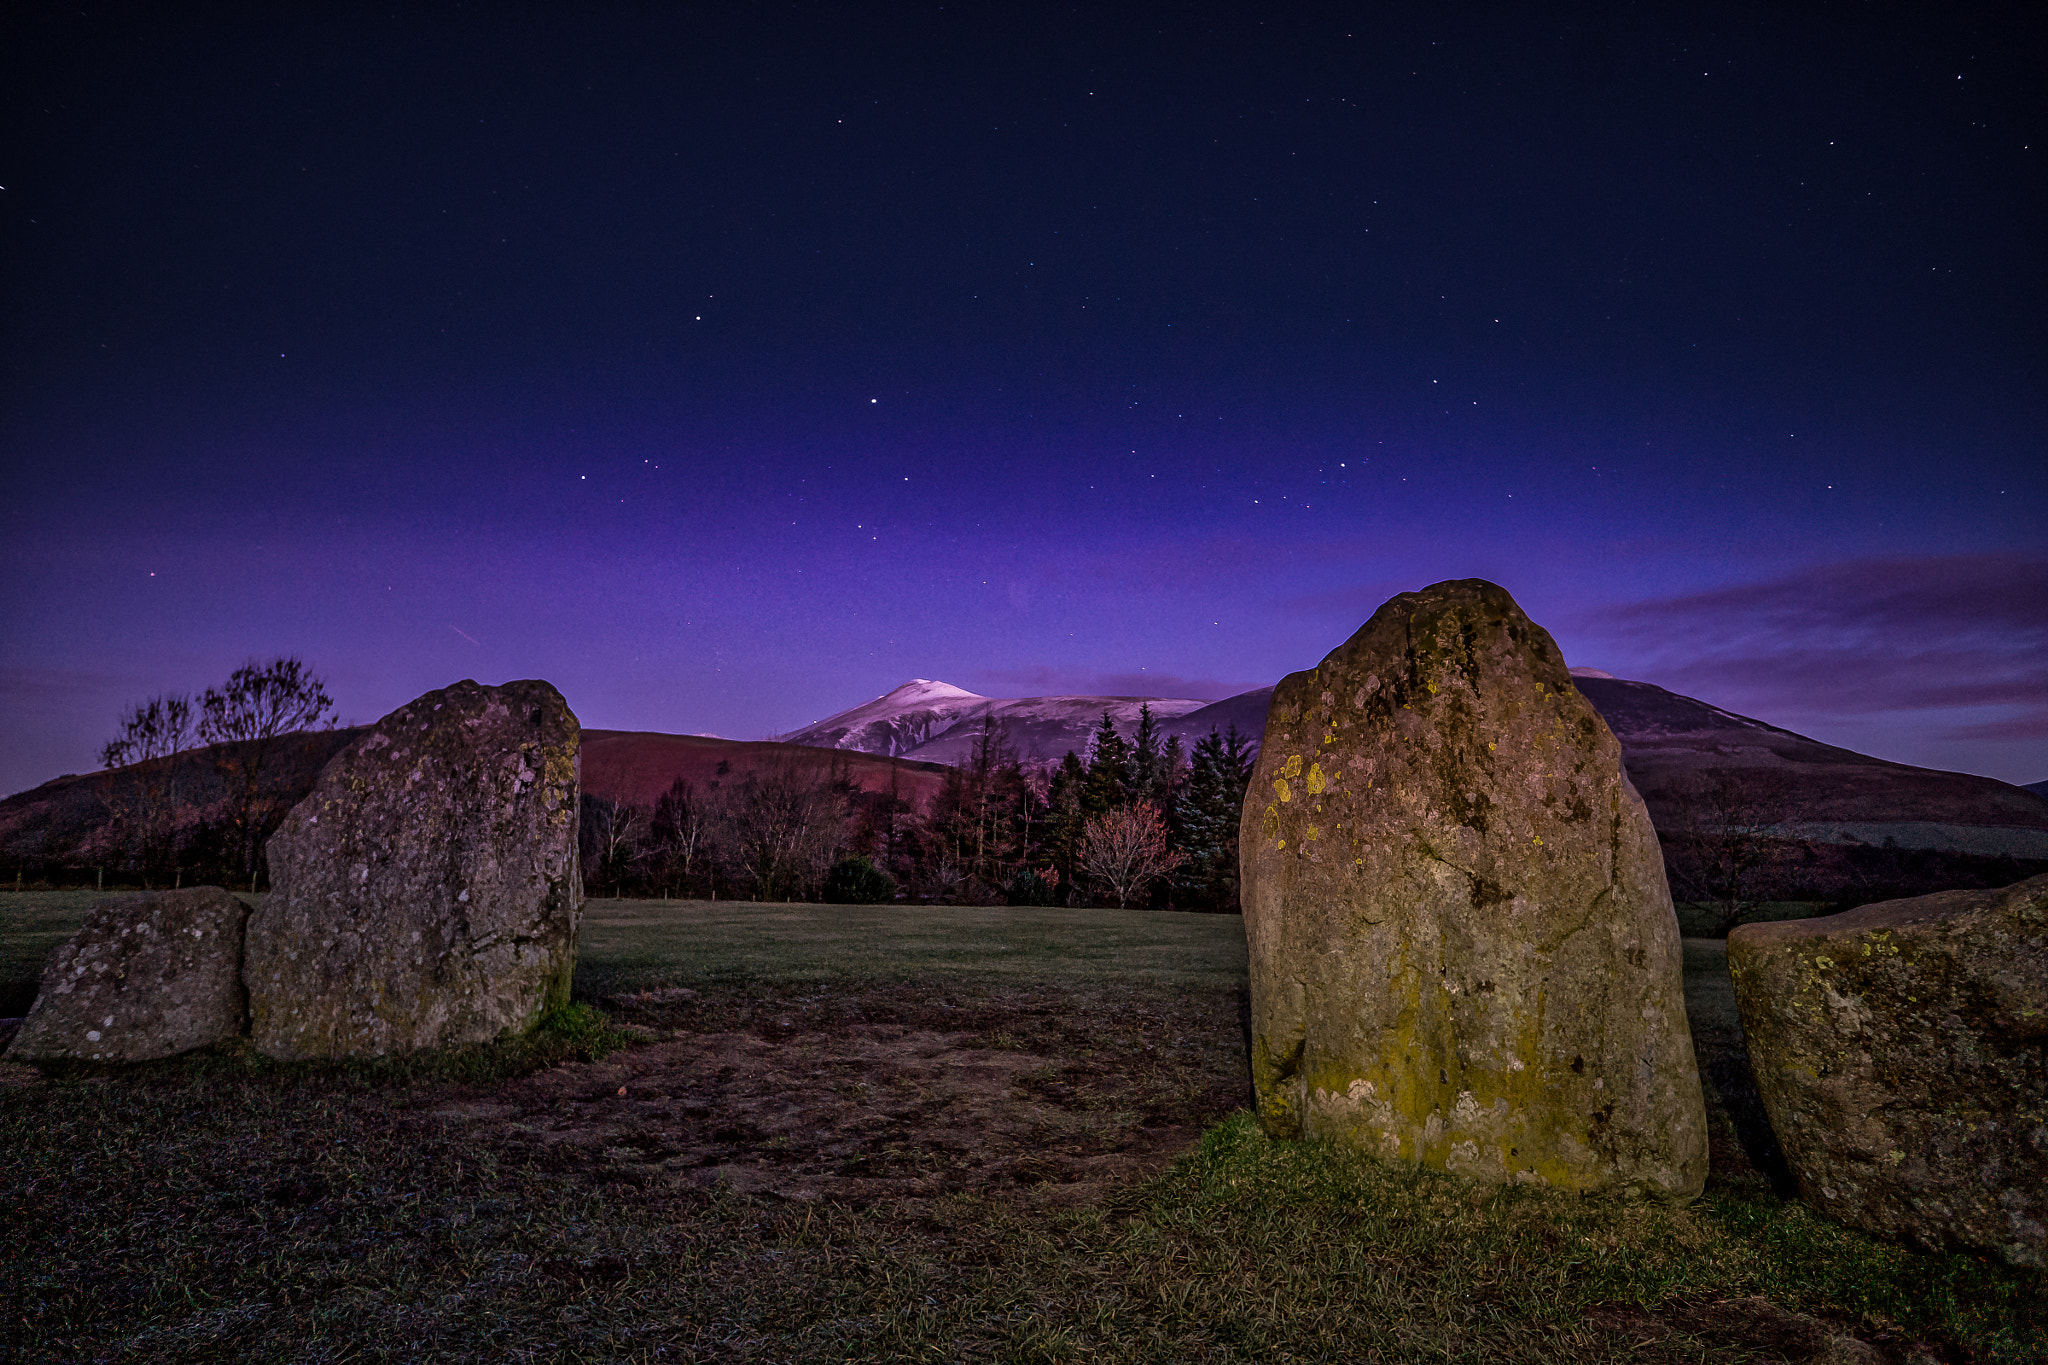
{"type": "Point", "coordinates": [857, 881]}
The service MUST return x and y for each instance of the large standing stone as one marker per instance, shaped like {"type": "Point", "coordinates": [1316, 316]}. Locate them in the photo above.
{"type": "Point", "coordinates": [1901, 1050]}
{"type": "Point", "coordinates": [144, 977]}
{"type": "Point", "coordinates": [1463, 951]}
{"type": "Point", "coordinates": [426, 893]}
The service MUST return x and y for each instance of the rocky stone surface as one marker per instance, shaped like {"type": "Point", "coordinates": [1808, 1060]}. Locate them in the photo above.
{"type": "Point", "coordinates": [425, 894]}
{"type": "Point", "coordinates": [144, 977]}
{"type": "Point", "coordinates": [1901, 1050]}
{"type": "Point", "coordinates": [1463, 951]}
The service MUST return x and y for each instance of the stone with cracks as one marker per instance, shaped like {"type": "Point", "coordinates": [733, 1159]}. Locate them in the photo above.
{"type": "Point", "coordinates": [1463, 951]}
{"type": "Point", "coordinates": [1901, 1051]}
{"type": "Point", "coordinates": [144, 977]}
{"type": "Point", "coordinates": [425, 894]}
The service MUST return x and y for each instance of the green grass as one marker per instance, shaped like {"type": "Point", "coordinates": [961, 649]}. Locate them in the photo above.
{"type": "Point", "coordinates": [219, 1206]}
{"type": "Point", "coordinates": [630, 944]}
{"type": "Point", "coordinates": [31, 924]}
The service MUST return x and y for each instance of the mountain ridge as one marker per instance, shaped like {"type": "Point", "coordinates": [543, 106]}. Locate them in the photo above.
{"type": "Point", "coordinates": [1671, 744]}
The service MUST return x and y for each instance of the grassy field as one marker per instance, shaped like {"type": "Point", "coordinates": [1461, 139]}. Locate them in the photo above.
{"type": "Point", "coordinates": [776, 1132]}
{"type": "Point", "coordinates": [626, 945]}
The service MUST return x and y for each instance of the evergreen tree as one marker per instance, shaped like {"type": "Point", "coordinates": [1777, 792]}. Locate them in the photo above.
{"type": "Point", "coordinates": [1173, 774]}
{"type": "Point", "coordinates": [1146, 761]}
{"type": "Point", "coordinates": [1210, 805]}
{"type": "Point", "coordinates": [1060, 840]}
{"type": "Point", "coordinates": [983, 818]}
{"type": "Point", "coordinates": [1109, 769]}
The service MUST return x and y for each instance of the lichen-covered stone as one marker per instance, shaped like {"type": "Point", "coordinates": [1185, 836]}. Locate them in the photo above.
{"type": "Point", "coordinates": [426, 893]}
{"type": "Point", "coordinates": [1901, 1050]}
{"type": "Point", "coordinates": [1463, 952]}
{"type": "Point", "coordinates": [144, 977]}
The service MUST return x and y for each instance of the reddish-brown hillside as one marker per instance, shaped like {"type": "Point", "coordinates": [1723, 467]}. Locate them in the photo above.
{"type": "Point", "coordinates": [636, 766]}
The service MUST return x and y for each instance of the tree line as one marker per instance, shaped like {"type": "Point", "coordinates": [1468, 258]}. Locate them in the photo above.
{"type": "Point", "coordinates": [194, 785]}
{"type": "Point", "coordinates": [1138, 822]}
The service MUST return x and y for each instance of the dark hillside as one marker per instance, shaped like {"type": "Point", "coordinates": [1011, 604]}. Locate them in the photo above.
{"type": "Point", "coordinates": [1246, 710]}
{"type": "Point", "coordinates": [71, 826]}
{"type": "Point", "coordinates": [636, 766]}
{"type": "Point", "coordinates": [1665, 737]}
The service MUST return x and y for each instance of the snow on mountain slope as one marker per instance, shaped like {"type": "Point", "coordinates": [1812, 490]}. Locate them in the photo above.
{"type": "Point", "coordinates": [937, 722]}
{"type": "Point", "coordinates": [1668, 741]}
{"type": "Point", "coordinates": [1043, 729]}
{"type": "Point", "coordinates": [895, 722]}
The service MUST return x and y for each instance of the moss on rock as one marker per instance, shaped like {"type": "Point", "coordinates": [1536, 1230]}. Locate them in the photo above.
{"type": "Point", "coordinates": [1463, 950]}
{"type": "Point", "coordinates": [426, 893]}
{"type": "Point", "coordinates": [1901, 1051]}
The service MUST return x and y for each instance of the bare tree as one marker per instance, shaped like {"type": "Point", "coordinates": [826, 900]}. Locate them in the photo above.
{"type": "Point", "coordinates": [679, 835]}
{"type": "Point", "coordinates": [782, 829]}
{"type": "Point", "coordinates": [614, 841]}
{"type": "Point", "coordinates": [1127, 849]}
{"type": "Point", "coordinates": [1723, 831]}
{"type": "Point", "coordinates": [250, 717]}
{"type": "Point", "coordinates": [153, 735]}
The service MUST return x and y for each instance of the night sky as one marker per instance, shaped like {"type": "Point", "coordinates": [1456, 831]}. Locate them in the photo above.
{"type": "Point", "coordinates": [728, 366]}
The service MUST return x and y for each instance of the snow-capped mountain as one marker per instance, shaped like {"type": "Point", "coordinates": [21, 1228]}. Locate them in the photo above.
{"type": "Point", "coordinates": [895, 722]}
{"type": "Point", "coordinates": [1667, 740]}
{"type": "Point", "coordinates": [937, 722]}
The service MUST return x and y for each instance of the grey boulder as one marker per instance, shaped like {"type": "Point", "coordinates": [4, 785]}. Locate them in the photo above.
{"type": "Point", "coordinates": [145, 977]}
{"type": "Point", "coordinates": [1463, 951]}
{"type": "Point", "coordinates": [1901, 1051]}
{"type": "Point", "coordinates": [426, 893]}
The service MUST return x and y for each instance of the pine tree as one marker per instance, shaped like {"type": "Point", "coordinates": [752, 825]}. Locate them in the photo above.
{"type": "Point", "coordinates": [1109, 768]}
{"type": "Point", "coordinates": [1208, 811]}
{"type": "Point", "coordinates": [1173, 764]}
{"type": "Point", "coordinates": [1060, 840]}
{"type": "Point", "coordinates": [1145, 759]}
{"type": "Point", "coordinates": [981, 821]}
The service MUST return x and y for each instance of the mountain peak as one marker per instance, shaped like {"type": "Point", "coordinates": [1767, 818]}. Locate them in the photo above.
{"type": "Point", "coordinates": [929, 689]}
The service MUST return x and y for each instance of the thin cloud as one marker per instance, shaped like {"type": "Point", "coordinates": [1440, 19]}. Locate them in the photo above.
{"type": "Point", "coordinates": [1948, 639]}
{"type": "Point", "coordinates": [1042, 681]}
{"type": "Point", "coordinates": [22, 684]}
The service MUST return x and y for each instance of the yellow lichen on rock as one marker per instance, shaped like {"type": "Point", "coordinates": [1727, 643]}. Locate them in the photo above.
{"type": "Point", "coordinates": [1477, 987]}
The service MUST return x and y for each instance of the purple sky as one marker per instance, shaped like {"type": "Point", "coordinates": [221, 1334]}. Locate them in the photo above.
{"type": "Point", "coordinates": [730, 371]}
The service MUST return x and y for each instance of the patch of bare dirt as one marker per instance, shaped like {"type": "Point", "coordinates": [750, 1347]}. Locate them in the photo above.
{"type": "Point", "coordinates": [880, 1093]}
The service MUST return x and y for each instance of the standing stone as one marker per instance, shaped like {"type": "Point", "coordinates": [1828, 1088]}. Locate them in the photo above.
{"type": "Point", "coordinates": [426, 893]}
{"type": "Point", "coordinates": [144, 977]}
{"type": "Point", "coordinates": [1901, 1050]}
{"type": "Point", "coordinates": [1463, 951]}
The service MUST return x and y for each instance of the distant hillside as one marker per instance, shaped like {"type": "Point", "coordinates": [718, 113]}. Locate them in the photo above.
{"type": "Point", "coordinates": [1845, 825]}
{"type": "Point", "coordinates": [47, 829]}
{"type": "Point", "coordinates": [1246, 711]}
{"type": "Point", "coordinates": [1832, 795]}
{"type": "Point", "coordinates": [636, 766]}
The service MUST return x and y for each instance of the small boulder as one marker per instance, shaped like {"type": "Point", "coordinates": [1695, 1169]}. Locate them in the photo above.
{"type": "Point", "coordinates": [1463, 951]}
{"type": "Point", "coordinates": [1901, 1051]}
{"type": "Point", "coordinates": [145, 977]}
{"type": "Point", "coordinates": [426, 893]}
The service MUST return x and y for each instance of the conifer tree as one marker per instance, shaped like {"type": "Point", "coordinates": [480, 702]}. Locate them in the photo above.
{"type": "Point", "coordinates": [1064, 816]}
{"type": "Point", "coordinates": [1109, 767]}
{"type": "Point", "coordinates": [1208, 811]}
{"type": "Point", "coordinates": [1145, 758]}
